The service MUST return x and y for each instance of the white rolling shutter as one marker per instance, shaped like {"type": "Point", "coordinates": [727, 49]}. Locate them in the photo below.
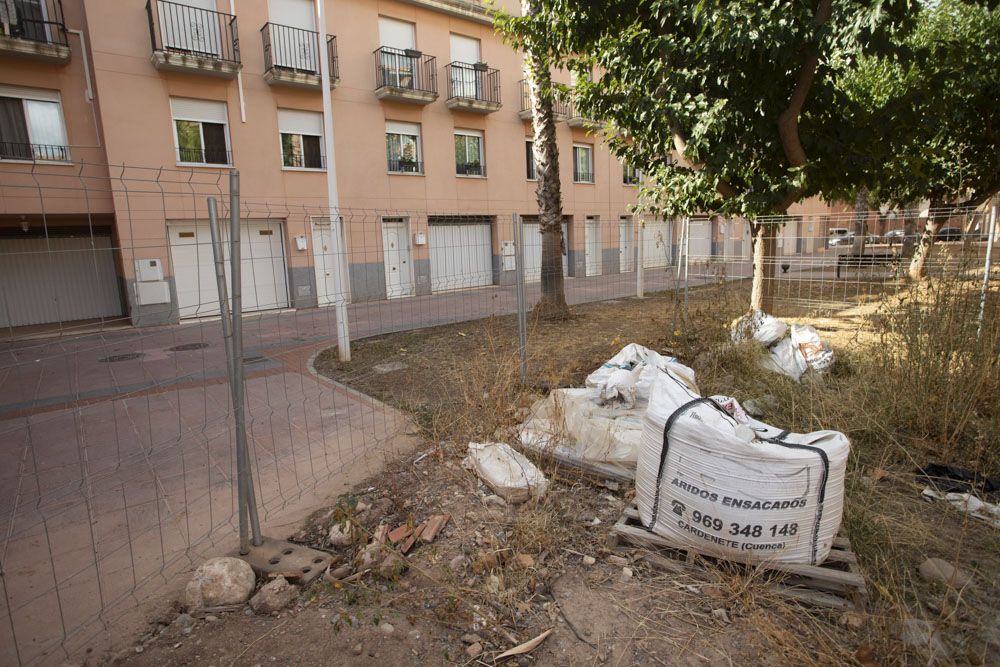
{"type": "Point", "coordinates": [206, 111]}
{"type": "Point", "coordinates": [293, 121]}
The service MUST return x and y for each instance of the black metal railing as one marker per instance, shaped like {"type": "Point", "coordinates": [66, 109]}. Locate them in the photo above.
{"type": "Point", "coordinates": [295, 49]}
{"type": "Point", "coordinates": [581, 175]}
{"type": "Point", "coordinates": [200, 32]}
{"type": "Point", "coordinates": [204, 155]}
{"type": "Point", "coordinates": [303, 161]}
{"type": "Point", "coordinates": [34, 152]}
{"type": "Point", "coordinates": [406, 167]}
{"type": "Point", "coordinates": [470, 169]}
{"type": "Point", "coordinates": [39, 21]}
{"type": "Point", "coordinates": [473, 81]}
{"type": "Point", "coordinates": [631, 176]}
{"type": "Point", "coordinates": [407, 69]}
{"type": "Point", "coordinates": [559, 105]}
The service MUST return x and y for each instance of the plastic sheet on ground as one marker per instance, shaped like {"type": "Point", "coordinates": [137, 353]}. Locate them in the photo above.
{"type": "Point", "coordinates": [968, 503]}
{"type": "Point", "coordinates": [599, 428]}
{"type": "Point", "coordinates": [717, 482]}
{"type": "Point", "coordinates": [511, 476]}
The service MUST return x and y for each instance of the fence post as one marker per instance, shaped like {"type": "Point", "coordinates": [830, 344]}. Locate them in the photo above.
{"type": "Point", "coordinates": [639, 277]}
{"type": "Point", "coordinates": [687, 265]}
{"type": "Point", "coordinates": [522, 324]}
{"type": "Point", "coordinates": [990, 239]}
{"type": "Point", "coordinates": [245, 481]}
{"type": "Point", "coordinates": [227, 339]}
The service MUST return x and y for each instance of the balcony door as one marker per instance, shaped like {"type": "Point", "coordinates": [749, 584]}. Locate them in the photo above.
{"type": "Point", "coordinates": [397, 68]}
{"type": "Point", "coordinates": [191, 26]}
{"type": "Point", "coordinates": [464, 79]}
{"type": "Point", "coordinates": [293, 34]}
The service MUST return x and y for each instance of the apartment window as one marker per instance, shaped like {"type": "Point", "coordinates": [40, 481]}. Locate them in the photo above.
{"type": "Point", "coordinates": [402, 148]}
{"type": "Point", "coordinates": [201, 132]}
{"type": "Point", "coordinates": [630, 175]}
{"type": "Point", "coordinates": [529, 160]}
{"type": "Point", "coordinates": [301, 139]}
{"type": "Point", "coordinates": [583, 163]}
{"type": "Point", "coordinates": [469, 159]}
{"type": "Point", "coordinates": [31, 125]}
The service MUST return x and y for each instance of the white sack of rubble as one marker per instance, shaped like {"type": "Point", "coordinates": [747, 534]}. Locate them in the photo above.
{"type": "Point", "coordinates": [627, 376]}
{"type": "Point", "coordinates": [729, 486]}
{"type": "Point", "coordinates": [759, 326]}
{"type": "Point", "coordinates": [815, 351]}
{"type": "Point", "coordinates": [575, 426]}
{"type": "Point", "coordinates": [511, 476]}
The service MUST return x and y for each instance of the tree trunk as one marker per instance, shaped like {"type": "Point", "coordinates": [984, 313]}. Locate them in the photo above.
{"type": "Point", "coordinates": [860, 216]}
{"type": "Point", "coordinates": [918, 264]}
{"type": "Point", "coordinates": [764, 251]}
{"type": "Point", "coordinates": [909, 226]}
{"type": "Point", "coordinates": [546, 155]}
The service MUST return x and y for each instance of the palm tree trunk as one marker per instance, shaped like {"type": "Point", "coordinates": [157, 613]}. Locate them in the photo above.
{"type": "Point", "coordinates": [546, 155]}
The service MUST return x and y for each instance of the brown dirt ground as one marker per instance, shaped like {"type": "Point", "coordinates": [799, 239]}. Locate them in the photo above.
{"type": "Point", "coordinates": [456, 381]}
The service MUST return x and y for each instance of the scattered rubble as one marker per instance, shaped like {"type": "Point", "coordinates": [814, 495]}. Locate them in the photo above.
{"type": "Point", "coordinates": [274, 596]}
{"type": "Point", "coordinates": [220, 581]}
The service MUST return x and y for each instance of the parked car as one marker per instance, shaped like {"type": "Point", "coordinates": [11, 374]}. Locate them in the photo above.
{"type": "Point", "coordinates": [949, 234]}
{"type": "Point", "coordinates": [845, 239]}
{"type": "Point", "coordinates": [895, 235]}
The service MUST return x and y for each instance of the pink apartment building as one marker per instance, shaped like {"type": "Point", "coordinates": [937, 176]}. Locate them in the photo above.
{"type": "Point", "coordinates": [118, 117]}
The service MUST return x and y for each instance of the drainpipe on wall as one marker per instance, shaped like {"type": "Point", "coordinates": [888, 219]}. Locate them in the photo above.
{"type": "Point", "coordinates": [87, 79]}
{"type": "Point", "coordinates": [332, 195]}
{"type": "Point", "coordinates": [239, 75]}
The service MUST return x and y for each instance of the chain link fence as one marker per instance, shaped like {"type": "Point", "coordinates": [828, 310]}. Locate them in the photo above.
{"type": "Point", "coordinates": [120, 467]}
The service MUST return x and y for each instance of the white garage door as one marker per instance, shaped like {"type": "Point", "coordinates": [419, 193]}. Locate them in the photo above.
{"type": "Point", "coordinates": [533, 251]}
{"type": "Point", "coordinates": [700, 246]}
{"type": "Point", "coordinates": [656, 244]}
{"type": "Point", "coordinates": [59, 279]}
{"type": "Point", "coordinates": [461, 256]}
{"type": "Point", "coordinates": [265, 285]}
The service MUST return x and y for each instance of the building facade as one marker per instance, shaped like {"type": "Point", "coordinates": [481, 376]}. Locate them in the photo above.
{"type": "Point", "coordinates": [116, 119]}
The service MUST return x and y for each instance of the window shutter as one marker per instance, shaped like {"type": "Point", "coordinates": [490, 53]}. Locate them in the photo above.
{"type": "Point", "coordinates": [394, 127]}
{"type": "Point", "coordinates": [206, 111]}
{"type": "Point", "coordinates": [294, 121]}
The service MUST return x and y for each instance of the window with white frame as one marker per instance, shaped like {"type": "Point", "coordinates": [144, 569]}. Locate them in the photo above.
{"type": "Point", "coordinates": [32, 125]}
{"type": "Point", "coordinates": [630, 175]}
{"type": "Point", "coordinates": [402, 148]}
{"type": "Point", "coordinates": [301, 139]}
{"type": "Point", "coordinates": [201, 131]}
{"type": "Point", "coordinates": [583, 163]}
{"type": "Point", "coordinates": [529, 160]}
{"type": "Point", "coordinates": [469, 158]}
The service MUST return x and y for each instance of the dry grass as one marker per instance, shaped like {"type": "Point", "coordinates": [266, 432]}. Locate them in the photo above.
{"type": "Point", "coordinates": [912, 384]}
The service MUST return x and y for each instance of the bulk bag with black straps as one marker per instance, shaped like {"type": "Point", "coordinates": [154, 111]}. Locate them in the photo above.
{"type": "Point", "coordinates": [712, 480]}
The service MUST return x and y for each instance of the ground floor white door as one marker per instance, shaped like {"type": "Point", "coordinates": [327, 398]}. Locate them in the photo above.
{"type": "Point", "coordinates": [325, 261]}
{"type": "Point", "coordinates": [533, 251]}
{"type": "Point", "coordinates": [657, 240]}
{"type": "Point", "coordinates": [625, 248]}
{"type": "Point", "coordinates": [396, 257]}
{"type": "Point", "coordinates": [58, 279]}
{"type": "Point", "coordinates": [700, 246]}
{"type": "Point", "coordinates": [592, 247]}
{"type": "Point", "coordinates": [263, 273]}
{"type": "Point", "coordinates": [461, 256]}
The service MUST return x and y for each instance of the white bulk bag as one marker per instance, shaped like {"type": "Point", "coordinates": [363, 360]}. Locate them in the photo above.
{"type": "Point", "coordinates": [763, 328]}
{"type": "Point", "coordinates": [815, 351]}
{"type": "Point", "coordinates": [733, 487]}
{"type": "Point", "coordinates": [627, 376]}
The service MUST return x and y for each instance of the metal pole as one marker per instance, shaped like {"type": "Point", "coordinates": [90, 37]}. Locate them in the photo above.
{"type": "Point", "coordinates": [687, 264]}
{"type": "Point", "coordinates": [639, 286]}
{"type": "Point", "coordinates": [522, 316]}
{"type": "Point", "coordinates": [990, 239]}
{"type": "Point", "coordinates": [242, 454]}
{"type": "Point", "coordinates": [332, 194]}
{"type": "Point", "coordinates": [227, 338]}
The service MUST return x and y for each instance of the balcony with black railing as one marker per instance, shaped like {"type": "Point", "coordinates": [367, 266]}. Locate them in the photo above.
{"type": "Point", "coordinates": [576, 118]}
{"type": "Point", "coordinates": [403, 166]}
{"type": "Point", "coordinates": [186, 38]}
{"type": "Point", "coordinates": [473, 87]}
{"type": "Point", "coordinates": [291, 57]}
{"type": "Point", "coordinates": [34, 29]}
{"type": "Point", "coordinates": [405, 75]}
{"type": "Point", "coordinates": [560, 109]}
{"type": "Point", "coordinates": [470, 169]}
{"type": "Point", "coordinates": [10, 150]}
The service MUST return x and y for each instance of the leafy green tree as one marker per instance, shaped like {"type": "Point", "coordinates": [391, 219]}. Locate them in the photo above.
{"type": "Point", "coordinates": [730, 107]}
{"type": "Point", "coordinates": [935, 104]}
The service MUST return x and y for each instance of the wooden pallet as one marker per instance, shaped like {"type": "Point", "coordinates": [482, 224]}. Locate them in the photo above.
{"type": "Point", "coordinates": [836, 584]}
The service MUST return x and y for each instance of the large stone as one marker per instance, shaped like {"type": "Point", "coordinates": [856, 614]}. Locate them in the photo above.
{"type": "Point", "coordinates": [274, 596]}
{"type": "Point", "coordinates": [220, 581]}
{"type": "Point", "coordinates": [941, 571]}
